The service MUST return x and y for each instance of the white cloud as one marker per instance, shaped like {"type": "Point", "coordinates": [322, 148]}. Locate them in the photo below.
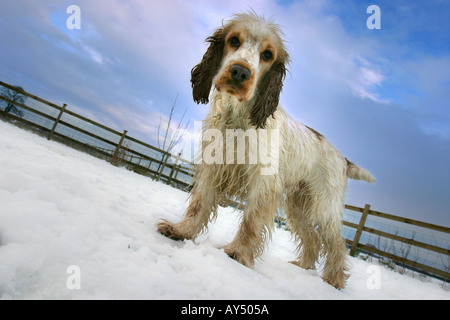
{"type": "Point", "coordinates": [95, 55]}
{"type": "Point", "coordinates": [325, 55]}
{"type": "Point", "coordinates": [365, 82]}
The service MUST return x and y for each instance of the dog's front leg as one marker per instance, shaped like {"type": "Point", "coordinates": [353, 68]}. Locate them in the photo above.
{"type": "Point", "coordinates": [255, 228]}
{"type": "Point", "coordinates": [195, 220]}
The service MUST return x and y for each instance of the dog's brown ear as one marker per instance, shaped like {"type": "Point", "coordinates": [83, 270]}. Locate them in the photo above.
{"type": "Point", "coordinates": [203, 73]}
{"type": "Point", "coordinates": [268, 94]}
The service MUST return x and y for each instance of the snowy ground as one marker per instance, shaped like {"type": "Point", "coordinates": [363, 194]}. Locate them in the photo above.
{"type": "Point", "coordinates": [61, 208]}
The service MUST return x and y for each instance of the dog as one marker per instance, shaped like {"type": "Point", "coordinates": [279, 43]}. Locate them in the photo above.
{"type": "Point", "coordinates": [242, 74]}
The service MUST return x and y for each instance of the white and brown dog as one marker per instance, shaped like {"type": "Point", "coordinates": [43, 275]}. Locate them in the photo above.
{"type": "Point", "coordinates": [245, 66]}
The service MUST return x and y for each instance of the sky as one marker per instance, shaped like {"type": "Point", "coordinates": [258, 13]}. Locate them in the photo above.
{"type": "Point", "coordinates": [381, 96]}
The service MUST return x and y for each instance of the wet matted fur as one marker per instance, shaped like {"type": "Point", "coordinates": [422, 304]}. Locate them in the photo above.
{"type": "Point", "coordinates": [242, 74]}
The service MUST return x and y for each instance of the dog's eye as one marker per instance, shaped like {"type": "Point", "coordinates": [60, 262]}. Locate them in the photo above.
{"type": "Point", "coordinates": [234, 42]}
{"type": "Point", "coordinates": [266, 55]}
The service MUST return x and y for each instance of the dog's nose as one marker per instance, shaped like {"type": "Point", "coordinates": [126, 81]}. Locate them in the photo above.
{"type": "Point", "coordinates": [240, 73]}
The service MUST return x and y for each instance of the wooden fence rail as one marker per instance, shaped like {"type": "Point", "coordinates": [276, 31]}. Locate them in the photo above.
{"type": "Point", "coordinates": [166, 170]}
{"type": "Point", "coordinates": [169, 168]}
{"type": "Point", "coordinates": [403, 260]}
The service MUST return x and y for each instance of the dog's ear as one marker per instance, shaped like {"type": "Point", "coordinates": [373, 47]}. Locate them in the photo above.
{"type": "Point", "coordinates": [203, 73]}
{"type": "Point", "coordinates": [268, 94]}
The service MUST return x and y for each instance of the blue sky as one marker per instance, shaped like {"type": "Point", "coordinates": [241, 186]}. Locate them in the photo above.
{"type": "Point", "coordinates": [380, 96]}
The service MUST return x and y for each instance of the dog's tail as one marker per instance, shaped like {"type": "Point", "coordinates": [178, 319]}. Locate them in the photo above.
{"type": "Point", "coordinates": [357, 173]}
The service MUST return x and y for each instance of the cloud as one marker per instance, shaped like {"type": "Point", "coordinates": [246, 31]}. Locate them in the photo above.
{"type": "Point", "coordinates": [365, 80]}
{"type": "Point", "coordinates": [326, 55]}
{"type": "Point", "coordinates": [95, 55]}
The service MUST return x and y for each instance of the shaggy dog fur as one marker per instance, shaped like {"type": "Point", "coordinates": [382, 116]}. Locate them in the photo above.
{"type": "Point", "coordinates": [243, 69]}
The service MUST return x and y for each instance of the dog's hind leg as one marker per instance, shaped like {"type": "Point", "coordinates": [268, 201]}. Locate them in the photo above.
{"type": "Point", "coordinates": [334, 271]}
{"type": "Point", "coordinates": [330, 231]}
{"type": "Point", "coordinates": [300, 204]}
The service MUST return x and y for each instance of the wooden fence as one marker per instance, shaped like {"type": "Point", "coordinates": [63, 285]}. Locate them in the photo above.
{"type": "Point", "coordinates": [402, 259]}
{"type": "Point", "coordinates": [58, 123]}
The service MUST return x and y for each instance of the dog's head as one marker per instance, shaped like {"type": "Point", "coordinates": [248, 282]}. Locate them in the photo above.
{"type": "Point", "coordinates": [247, 59]}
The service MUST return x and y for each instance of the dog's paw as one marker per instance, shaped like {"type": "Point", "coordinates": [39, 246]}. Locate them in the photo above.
{"type": "Point", "coordinates": [245, 259]}
{"type": "Point", "coordinates": [167, 229]}
{"type": "Point", "coordinates": [337, 281]}
{"type": "Point", "coordinates": [303, 265]}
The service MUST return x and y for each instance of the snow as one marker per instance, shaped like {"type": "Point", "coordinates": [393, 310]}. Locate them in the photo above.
{"type": "Point", "coordinates": [75, 227]}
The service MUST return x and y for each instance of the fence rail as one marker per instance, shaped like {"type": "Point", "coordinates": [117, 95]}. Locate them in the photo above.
{"type": "Point", "coordinates": [58, 123]}
{"type": "Point", "coordinates": [402, 259]}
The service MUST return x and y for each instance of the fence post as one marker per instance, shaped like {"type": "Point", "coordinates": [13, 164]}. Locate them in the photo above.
{"type": "Point", "coordinates": [50, 135]}
{"type": "Point", "coordinates": [115, 155]}
{"type": "Point", "coordinates": [163, 166]}
{"type": "Point", "coordinates": [176, 173]}
{"type": "Point", "coordinates": [174, 165]}
{"type": "Point", "coordinates": [359, 231]}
